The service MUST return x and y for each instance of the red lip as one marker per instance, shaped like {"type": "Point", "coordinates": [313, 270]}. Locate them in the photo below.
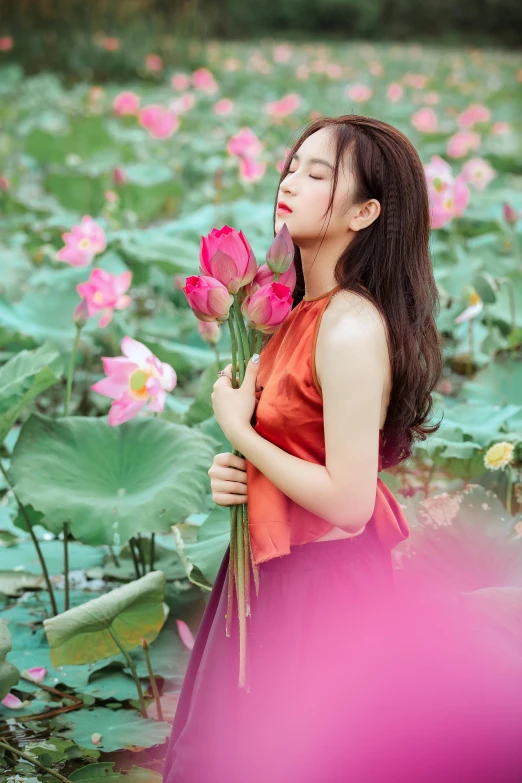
{"type": "Point", "coordinates": [282, 205]}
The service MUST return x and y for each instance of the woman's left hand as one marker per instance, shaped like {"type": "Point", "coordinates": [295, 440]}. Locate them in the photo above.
{"type": "Point", "coordinates": [234, 408]}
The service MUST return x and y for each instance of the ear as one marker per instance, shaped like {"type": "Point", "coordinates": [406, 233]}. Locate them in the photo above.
{"type": "Point", "coordinates": [367, 214]}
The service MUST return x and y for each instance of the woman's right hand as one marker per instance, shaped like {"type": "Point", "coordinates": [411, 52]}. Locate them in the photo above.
{"type": "Point", "coordinates": [228, 479]}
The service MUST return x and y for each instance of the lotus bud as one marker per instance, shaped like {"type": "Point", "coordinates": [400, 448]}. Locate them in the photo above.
{"type": "Point", "coordinates": [281, 252]}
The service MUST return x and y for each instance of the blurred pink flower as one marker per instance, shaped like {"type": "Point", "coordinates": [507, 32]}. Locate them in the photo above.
{"type": "Point", "coordinates": [12, 702]}
{"type": "Point", "coordinates": [105, 293]}
{"type": "Point", "coordinates": [209, 299]}
{"type": "Point", "coordinates": [245, 144]}
{"type": "Point", "coordinates": [111, 44]}
{"type": "Point", "coordinates": [134, 380]}
{"type": "Point", "coordinates": [251, 170]}
{"type": "Point", "coordinates": [267, 308]}
{"type": "Point", "coordinates": [82, 243]}
{"type": "Point", "coordinates": [284, 106]}
{"type": "Point", "coordinates": [448, 195]}
{"type": "Point", "coordinates": [478, 172]}
{"type": "Point", "coordinates": [302, 72]}
{"type": "Point", "coordinates": [431, 97]}
{"type": "Point", "coordinates": [474, 113]}
{"type": "Point", "coordinates": [160, 123]}
{"type": "Point", "coordinates": [281, 53]}
{"type": "Point", "coordinates": [424, 120]}
{"type": "Point", "coordinates": [5, 185]}
{"type": "Point", "coordinates": [153, 63]}
{"type": "Point", "coordinates": [226, 255]}
{"type": "Point", "coordinates": [462, 142]}
{"type": "Point", "coordinates": [417, 80]}
{"type": "Point", "coordinates": [475, 308]}
{"type": "Point", "coordinates": [183, 103]}
{"type": "Point", "coordinates": [180, 81]}
{"type": "Point", "coordinates": [394, 92]}
{"type": "Point", "coordinates": [500, 127]}
{"type": "Point", "coordinates": [6, 43]}
{"type": "Point", "coordinates": [96, 93]}
{"type": "Point", "coordinates": [359, 92]}
{"type": "Point", "coordinates": [118, 176]}
{"type": "Point", "coordinates": [224, 107]}
{"type": "Point", "coordinates": [126, 103]}
{"type": "Point", "coordinates": [209, 331]}
{"type": "Point", "coordinates": [203, 80]}
{"type": "Point", "coordinates": [185, 634]}
{"type": "Point", "coordinates": [111, 197]}
{"type": "Point", "coordinates": [510, 215]}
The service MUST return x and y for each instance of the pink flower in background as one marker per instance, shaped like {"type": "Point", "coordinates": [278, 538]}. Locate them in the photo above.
{"type": "Point", "coordinates": [302, 72]}
{"type": "Point", "coordinates": [474, 113]}
{"type": "Point", "coordinates": [6, 43]}
{"type": "Point", "coordinates": [12, 702]}
{"type": "Point", "coordinates": [111, 44]}
{"type": "Point", "coordinates": [284, 106]}
{"type": "Point", "coordinates": [245, 144]}
{"type": "Point", "coordinates": [359, 93]}
{"type": "Point", "coordinates": [134, 380]}
{"type": "Point", "coordinates": [203, 80]}
{"type": "Point", "coordinates": [118, 176]}
{"type": "Point", "coordinates": [5, 185]}
{"type": "Point", "coordinates": [36, 674]}
{"type": "Point", "coordinates": [267, 308]}
{"type": "Point", "coordinates": [180, 81]}
{"type": "Point", "coordinates": [183, 103]}
{"type": "Point", "coordinates": [226, 255]}
{"type": "Point", "coordinates": [281, 53]}
{"type": "Point", "coordinates": [251, 170]}
{"type": "Point", "coordinates": [478, 172]}
{"type": "Point", "coordinates": [417, 80]}
{"type": "Point", "coordinates": [209, 299]}
{"type": "Point", "coordinates": [160, 123]}
{"type": "Point", "coordinates": [500, 127]}
{"type": "Point", "coordinates": [111, 197]}
{"type": "Point", "coordinates": [476, 306]}
{"type": "Point", "coordinates": [424, 120]}
{"type": "Point", "coordinates": [185, 634]}
{"type": "Point", "coordinates": [375, 68]}
{"type": "Point", "coordinates": [462, 142]}
{"type": "Point", "coordinates": [104, 293]}
{"type": "Point", "coordinates": [209, 331]}
{"type": "Point", "coordinates": [264, 277]}
{"type": "Point", "coordinates": [432, 98]}
{"type": "Point", "coordinates": [334, 70]}
{"type": "Point", "coordinates": [96, 93]}
{"type": "Point", "coordinates": [510, 215]}
{"type": "Point", "coordinates": [153, 63]}
{"type": "Point", "coordinates": [448, 195]}
{"type": "Point", "coordinates": [394, 92]}
{"type": "Point", "coordinates": [224, 107]}
{"type": "Point", "coordinates": [82, 243]}
{"type": "Point", "coordinates": [126, 102]}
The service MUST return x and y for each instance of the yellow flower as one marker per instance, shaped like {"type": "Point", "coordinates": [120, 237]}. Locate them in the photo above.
{"type": "Point", "coordinates": [499, 455]}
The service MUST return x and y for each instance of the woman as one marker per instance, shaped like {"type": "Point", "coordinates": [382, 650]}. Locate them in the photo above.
{"type": "Point", "coordinates": [343, 389]}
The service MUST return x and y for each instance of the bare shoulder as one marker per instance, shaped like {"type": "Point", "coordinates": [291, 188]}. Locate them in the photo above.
{"type": "Point", "coordinates": [351, 320]}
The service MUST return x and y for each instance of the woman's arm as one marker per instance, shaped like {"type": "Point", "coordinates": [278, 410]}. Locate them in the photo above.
{"type": "Point", "coordinates": [352, 370]}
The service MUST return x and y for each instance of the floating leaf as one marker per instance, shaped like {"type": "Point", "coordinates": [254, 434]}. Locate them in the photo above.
{"type": "Point", "coordinates": [93, 773]}
{"type": "Point", "coordinates": [120, 729]}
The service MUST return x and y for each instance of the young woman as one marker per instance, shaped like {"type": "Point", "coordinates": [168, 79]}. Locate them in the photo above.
{"type": "Point", "coordinates": [343, 389]}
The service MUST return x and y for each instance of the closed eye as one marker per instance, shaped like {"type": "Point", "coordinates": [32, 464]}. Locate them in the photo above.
{"type": "Point", "coordinates": [314, 177]}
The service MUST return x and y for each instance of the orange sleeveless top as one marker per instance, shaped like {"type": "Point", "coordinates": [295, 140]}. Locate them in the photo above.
{"type": "Point", "coordinates": [290, 415]}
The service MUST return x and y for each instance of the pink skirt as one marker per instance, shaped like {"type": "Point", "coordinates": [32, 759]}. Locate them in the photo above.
{"type": "Point", "coordinates": [348, 681]}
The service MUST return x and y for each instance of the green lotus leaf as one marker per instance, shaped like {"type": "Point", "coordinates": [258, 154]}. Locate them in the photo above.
{"type": "Point", "coordinates": [105, 771]}
{"type": "Point", "coordinates": [23, 378]}
{"type": "Point", "coordinates": [119, 729]}
{"type": "Point", "coordinates": [111, 482]}
{"type": "Point", "coordinates": [9, 674]}
{"type": "Point", "coordinates": [86, 633]}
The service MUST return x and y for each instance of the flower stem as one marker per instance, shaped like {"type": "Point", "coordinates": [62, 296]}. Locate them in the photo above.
{"type": "Point", "coordinates": [134, 673]}
{"type": "Point", "coordinates": [134, 559]}
{"type": "Point", "coordinates": [153, 683]}
{"type": "Point", "coordinates": [70, 372]}
{"type": "Point", "coordinates": [511, 296]}
{"type": "Point", "coordinates": [35, 541]}
{"type": "Point", "coordinates": [33, 761]}
{"type": "Point", "coordinates": [66, 565]}
{"type": "Point", "coordinates": [242, 330]}
{"type": "Point", "coordinates": [509, 488]}
{"type": "Point", "coordinates": [233, 348]}
{"type": "Point", "coordinates": [151, 552]}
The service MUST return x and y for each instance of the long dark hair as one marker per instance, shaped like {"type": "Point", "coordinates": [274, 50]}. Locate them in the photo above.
{"type": "Point", "coordinates": [389, 264]}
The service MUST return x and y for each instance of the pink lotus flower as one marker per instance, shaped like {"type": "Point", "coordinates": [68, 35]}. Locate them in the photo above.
{"type": "Point", "coordinates": [281, 53]}
{"type": "Point", "coordinates": [82, 243]}
{"type": "Point", "coordinates": [5, 185]}
{"type": "Point", "coordinates": [251, 170]}
{"type": "Point", "coordinates": [302, 72]}
{"type": "Point", "coordinates": [359, 93]}
{"type": "Point", "coordinates": [267, 308]}
{"type": "Point", "coordinates": [126, 103]}
{"type": "Point", "coordinates": [96, 93]}
{"type": "Point", "coordinates": [510, 215]}
{"type": "Point", "coordinates": [224, 107]}
{"type": "Point", "coordinates": [6, 43]}
{"type": "Point", "coordinates": [203, 80]}
{"type": "Point", "coordinates": [12, 702]}
{"type": "Point", "coordinates": [161, 123]}
{"type": "Point", "coordinates": [208, 298]}
{"type": "Point", "coordinates": [180, 81]}
{"type": "Point", "coordinates": [280, 254]}
{"type": "Point", "coordinates": [478, 172]}
{"type": "Point", "coordinates": [118, 176]}
{"type": "Point", "coordinates": [462, 142]}
{"type": "Point", "coordinates": [284, 106]}
{"type": "Point", "coordinates": [424, 120]}
{"type": "Point", "coordinates": [185, 634]}
{"type": "Point", "coordinates": [226, 255]}
{"type": "Point", "coordinates": [417, 80]}
{"type": "Point", "coordinates": [111, 44]}
{"type": "Point", "coordinates": [104, 293]}
{"type": "Point", "coordinates": [475, 308]}
{"type": "Point", "coordinates": [153, 63]}
{"type": "Point", "coordinates": [245, 144]}
{"type": "Point", "coordinates": [473, 114]}
{"type": "Point", "coordinates": [448, 195]}
{"type": "Point", "coordinates": [432, 98]}
{"type": "Point", "coordinates": [182, 104]}
{"type": "Point", "coordinates": [500, 127]}
{"type": "Point", "coordinates": [394, 92]}
{"type": "Point", "coordinates": [134, 380]}
{"type": "Point", "coordinates": [36, 674]}
{"type": "Point", "coordinates": [264, 277]}
{"type": "Point", "coordinates": [209, 331]}
{"type": "Point", "coordinates": [334, 71]}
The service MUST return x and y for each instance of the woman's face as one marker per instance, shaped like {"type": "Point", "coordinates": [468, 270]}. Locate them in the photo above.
{"type": "Point", "coordinates": [306, 189]}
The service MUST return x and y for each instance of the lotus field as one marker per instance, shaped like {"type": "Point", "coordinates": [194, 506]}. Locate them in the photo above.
{"type": "Point", "coordinates": [109, 538]}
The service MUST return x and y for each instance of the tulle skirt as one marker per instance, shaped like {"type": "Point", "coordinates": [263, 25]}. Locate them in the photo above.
{"type": "Point", "coordinates": [348, 680]}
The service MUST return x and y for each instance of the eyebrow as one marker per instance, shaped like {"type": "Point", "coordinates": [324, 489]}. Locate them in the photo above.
{"type": "Point", "coordinates": [315, 160]}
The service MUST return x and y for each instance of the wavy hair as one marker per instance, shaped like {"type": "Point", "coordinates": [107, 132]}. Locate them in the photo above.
{"type": "Point", "coordinates": [389, 263]}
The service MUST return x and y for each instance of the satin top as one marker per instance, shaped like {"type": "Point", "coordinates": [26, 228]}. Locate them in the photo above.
{"type": "Point", "coordinates": [290, 415]}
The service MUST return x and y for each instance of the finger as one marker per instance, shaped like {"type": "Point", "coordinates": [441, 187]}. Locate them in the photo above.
{"type": "Point", "coordinates": [234, 475]}
{"type": "Point", "coordinates": [225, 499]}
{"type": "Point", "coordinates": [232, 487]}
{"type": "Point", "coordinates": [230, 460]}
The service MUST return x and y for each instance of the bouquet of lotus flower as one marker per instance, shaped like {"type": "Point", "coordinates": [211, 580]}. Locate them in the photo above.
{"type": "Point", "coordinates": [253, 300]}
